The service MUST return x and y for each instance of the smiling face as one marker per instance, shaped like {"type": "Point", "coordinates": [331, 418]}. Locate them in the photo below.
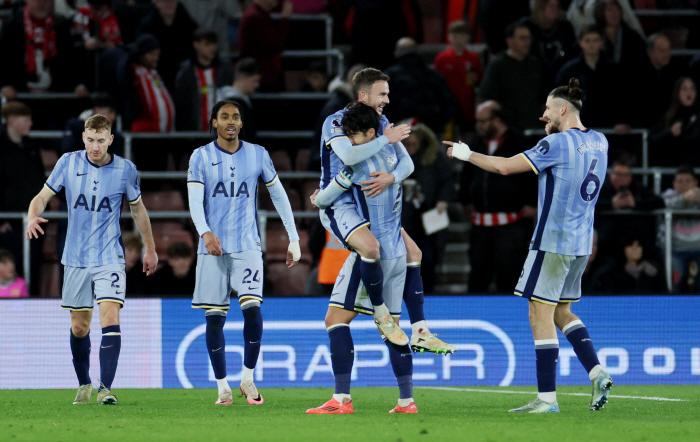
{"type": "Point", "coordinates": [553, 113]}
{"type": "Point", "coordinates": [228, 122]}
{"type": "Point", "coordinates": [96, 145]}
{"type": "Point", "coordinates": [377, 96]}
{"type": "Point", "coordinates": [362, 137]}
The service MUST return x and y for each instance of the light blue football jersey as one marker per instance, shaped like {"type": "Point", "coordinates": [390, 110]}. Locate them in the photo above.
{"type": "Point", "coordinates": [331, 164]}
{"type": "Point", "coordinates": [230, 183]}
{"type": "Point", "coordinates": [94, 195]}
{"type": "Point", "coordinates": [571, 168]}
{"type": "Point", "coordinates": [384, 210]}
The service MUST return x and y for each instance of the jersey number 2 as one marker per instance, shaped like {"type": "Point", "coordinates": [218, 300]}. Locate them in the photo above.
{"type": "Point", "coordinates": [588, 194]}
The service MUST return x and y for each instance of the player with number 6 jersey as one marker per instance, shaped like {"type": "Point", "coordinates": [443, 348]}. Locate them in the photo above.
{"type": "Point", "coordinates": [571, 164]}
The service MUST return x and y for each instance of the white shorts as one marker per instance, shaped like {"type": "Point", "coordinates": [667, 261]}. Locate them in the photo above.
{"type": "Point", "coordinates": [342, 221]}
{"type": "Point", "coordinates": [551, 278]}
{"type": "Point", "coordinates": [82, 285]}
{"type": "Point", "coordinates": [217, 276]}
{"type": "Point", "coordinates": [349, 292]}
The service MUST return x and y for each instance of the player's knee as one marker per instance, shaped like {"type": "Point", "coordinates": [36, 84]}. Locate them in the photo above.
{"type": "Point", "coordinates": [371, 249]}
{"type": "Point", "coordinates": [80, 329]}
{"type": "Point", "coordinates": [414, 254]}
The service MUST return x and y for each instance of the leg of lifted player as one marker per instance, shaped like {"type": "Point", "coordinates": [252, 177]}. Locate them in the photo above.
{"type": "Point", "coordinates": [111, 342]}
{"type": "Point", "coordinates": [546, 349]}
{"type": "Point", "coordinates": [402, 364]}
{"type": "Point", "coordinates": [367, 246]}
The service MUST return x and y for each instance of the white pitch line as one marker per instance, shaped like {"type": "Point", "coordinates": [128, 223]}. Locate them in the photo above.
{"type": "Point", "coordinates": [475, 390]}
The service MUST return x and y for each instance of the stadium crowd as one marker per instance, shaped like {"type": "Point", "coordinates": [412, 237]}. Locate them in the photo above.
{"type": "Point", "coordinates": [159, 67]}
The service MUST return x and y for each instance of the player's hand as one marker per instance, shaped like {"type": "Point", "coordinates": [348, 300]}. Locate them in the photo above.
{"type": "Point", "coordinates": [312, 198]}
{"type": "Point", "coordinates": [293, 254]}
{"type": "Point", "coordinates": [375, 186]}
{"type": "Point", "coordinates": [150, 262]}
{"type": "Point", "coordinates": [691, 196]}
{"type": "Point", "coordinates": [34, 228]}
{"type": "Point", "coordinates": [212, 243]}
{"type": "Point", "coordinates": [397, 133]}
{"type": "Point", "coordinates": [459, 150]}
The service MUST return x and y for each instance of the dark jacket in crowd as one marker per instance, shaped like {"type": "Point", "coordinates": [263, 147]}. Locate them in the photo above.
{"type": "Point", "coordinates": [598, 84]}
{"type": "Point", "coordinates": [649, 92]}
{"type": "Point", "coordinates": [621, 281]}
{"type": "Point", "coordinates": [73, 138]}
{"type": "Point", "coordinates": [187, 95]}
{"type": "Point", "coordinates": [668, 150]}
{"type": "Point", "coordinates": [553, 47]}
{"type": "Point", "coordinates": [490, 192]}
{"type": "Point", "coordinates": [21, 173]}
{"type": "Point", "coordinates": [633, 45]}
{"type": "Point", "coordinates": [495, 15]}
{"type": "Point", "coordinates": [435, 184]}
{"type": "Point", "coordinates": [419, 91]}
{"type": "Point", "coordinates": [166, 283]}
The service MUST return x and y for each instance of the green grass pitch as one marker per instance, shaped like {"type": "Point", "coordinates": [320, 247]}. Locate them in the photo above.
{"type": "Point", "coordinates": [444, 415]}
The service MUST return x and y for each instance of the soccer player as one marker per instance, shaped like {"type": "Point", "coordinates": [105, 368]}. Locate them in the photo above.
{"type": "Point", "coordinates": [571, 163]}
{"type": "Point", "coordinates": [222, 183]}
{"type": "Point", "coordinates": [342, 219]}
{"type": "Point", "coordinates": [360, 123]}
{"type": "Point", "coordinates": [96, 183]}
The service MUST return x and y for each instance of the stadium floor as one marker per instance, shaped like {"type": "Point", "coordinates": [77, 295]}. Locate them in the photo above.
{"type": "Point", "coordinates": [478, 414]}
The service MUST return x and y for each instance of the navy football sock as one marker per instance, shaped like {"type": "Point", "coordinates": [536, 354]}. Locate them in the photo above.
{"type": "Point", "coordinates": [80, 347]}
{"type": "Point", "coordinates": [578, 336]}
{"type": "Point", "coordinates": [413, 293]}
{"type": "Point", "coordinates": [402, 363]}
{"type": "Point", "coordinates": [252, 334]}
{"type": "Point", "coordinates": [109, 354]}
{"type": "Point", "coordinates": [547, 352]}
{"type": "Point", "coordinates": [373, 279]}
{"type": "Point", "coordinates": [342, 356]}
{"type": "Point", "coordinates": [216, 344]}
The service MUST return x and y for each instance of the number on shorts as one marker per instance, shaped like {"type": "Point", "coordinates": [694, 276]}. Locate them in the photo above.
{"type": "Point", "coordinates": [115, 280]}
{"type": "Point", "coordinates": [591, 177]}
{"type": "Point", "coordinates": [249, 272]}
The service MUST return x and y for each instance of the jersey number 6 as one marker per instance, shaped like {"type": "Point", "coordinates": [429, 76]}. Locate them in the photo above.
{"type": "Point", "coordinates": [591, 177]}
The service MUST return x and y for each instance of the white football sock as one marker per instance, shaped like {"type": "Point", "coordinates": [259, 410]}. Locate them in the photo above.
{"type": "Point", "coordinates": [247, 375]}
{"type": "Point", "coordinates": [405, 402]}
{"type": "Point", "coordinates": [417, 326]}
{"type": "Point", "coordinates": [595, 371]}
{"type": "Point", "coordinates": [223, 385]}
{"type": "Point", "coordinates": [550, 396]}
{"type": "Point", "coordinates": [342, 397]}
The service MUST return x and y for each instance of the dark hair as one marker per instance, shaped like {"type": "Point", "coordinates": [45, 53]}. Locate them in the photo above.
{"type": "Point", "coordinates": [179, 250]}
{"type": "Point", "coordinates": [458, 27]}
{"type": "Point", "coordinates": [622, 161]}
{"type": "Point", "coordinates": [571, 93]}
{"type": "Point", "coordinates": [599, 12]}
{"type": "Point", "coordinates": [510, 29]}
{"type": "Point", "coordinates": [676, 102]}
{"type": "Point", "coordinates": [359, 118]}
{"type": "Point", "coordinates": [217, 107]}
{"type": "Point", "coordinates": [16, 109]}
{"type": "Point", "coordinates": [101, 99]}
{"type": "Point", "coordinates": [366, 78]}
{"type": "Point", "coordinates": [205, 34]}
{"type": "Point", "coordinates": [247, 66]}
{"type": "Point", "coordinates": [6, 255]}
{"type": "Point", "coordinates": [651, 40]}
{"type": "Point", "coordinates": [590, 29]}
{"type": "Point", "coordinates": [686, 169]}
{"type": "Point", "coordinates": [318, 66]}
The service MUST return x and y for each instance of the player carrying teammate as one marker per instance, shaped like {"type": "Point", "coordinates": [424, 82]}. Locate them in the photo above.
{"type": "Point", "coordinates": [571, 163]}
{"type": "Point", "coordinates": [350, 227]}
{"type": "Point", "coordinates": [360, 123]}
{"type": "Point", "coordinates": [95, 182]}
{"type": "Point", "coordinates": [222, 182]}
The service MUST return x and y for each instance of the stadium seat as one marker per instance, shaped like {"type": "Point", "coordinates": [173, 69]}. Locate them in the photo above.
{"type": "Point", "coordinates": [49, 287]}
{"type": "Point", "coordinates": [308, 189]}
{"type": "Point", "coordinates": [288, 281]}
{"type": "Point", "coordinates": [301, 162]}
{"type": "Point", "coordinates": [163, 200]}
{"type": "Point", "coordinates": [280, 159]}
{"type": "Point", "coordinates": [166, 226]}
{"type": "Point", "coordinates": [49, 158]}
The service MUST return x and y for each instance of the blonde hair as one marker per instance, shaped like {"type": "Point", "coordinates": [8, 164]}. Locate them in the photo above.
{"type": "Point", "coordinates": [98, 123]}
{"type": "Point", "coordinates": [429, 145]}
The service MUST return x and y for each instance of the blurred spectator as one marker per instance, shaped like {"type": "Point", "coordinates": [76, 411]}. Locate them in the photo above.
{"type": "Point", "coordinates": [315, 78]}
{"type": "Point", "coordinates": [417, 90]}
{"type": "Point", "coordinates": [36, 52]}
{"type": "Point", "coordinates": [11, 285]}
{"type": "Point", "coordinates": [156, 111]}
{"type": "Point", "coordinates": [514, 79]}
{"type": "Point", "coordinates": [374, 25]}
{"type": "Point", "coordinates": [597, 76]}
{"type": "Point", "coordinates": [214, 15]}
{"type": "Point", "coordinates": [246, 80]}
{"type": "Point", "coordinates": [429, 187]}
{"type": "Point", "coordinates": [310, 6]}
{"type": "Point", "coordinates": [553, 39]}
{"type": "Point", "coordinates": [462, 71]}
{"type": "Point", "coordinates": [622, 44]}
{"type": "Point", "coordinates": [621, 192]}
{"type": "Point", "coordinates": [136, 282]}
{"type": "Point", "coordinates": [635, 272]}
{"type": "Point", "coordinates": [177, 276]}
{"type": "Point", "coordinates": [73, 135]}
{"type": "Point", "coordinates": [694, 69]}
{"type": "Point", "coordinates": [264, 39]}
{"type": "Point", "coordinates": [130, 14]}
{"type": "Point", "coordinates": [496, 15]}
{"type": "Point", "coordinates": [173, 27]}
{"type": "Point", "coordinates": [97, 25]}
{"type": "Point", "coordinates": [685, 194]}
{"type": "Point", "coordinates": [595, 275]}
{"type": "Point", "coordinates": [581, 13]}
{"type": "Point", "coordinates": [501, 207]}
{"type": "Point", "coordinates": [21, 178]}
{"type": "Point", "coordinates": [341, 94]}
{"type": "Point", "coordinates": [197, 82]}
{"type": "Point", "coordinates": [676, 137]}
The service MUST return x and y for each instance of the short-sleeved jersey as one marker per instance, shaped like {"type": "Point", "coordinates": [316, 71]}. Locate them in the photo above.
{"type": "Point", "coordinates": [384, 210]}
{"type": "Point", "coordinates": [331, 164]}
{"type": "Point", "coordinates": [230, 182]}
{"type": "Point", "coordinates": [94, 195]}
{"type": "Point", "coordinates": [571, 168]}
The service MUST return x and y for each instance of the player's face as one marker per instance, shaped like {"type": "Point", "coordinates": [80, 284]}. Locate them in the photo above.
{"type": "Point", "coordinates": [591, 44]}
{"type": "Point", "coordinates": [687, 93]}
{"type": "Point", "coordinates": [552, 113]}
{"type": "Point", "coordinates": [377, 97]}
{"type": "Point", "coordinates": [228, 122]}
{"type": "Point", "coordinates": [96, 144]}
{"type": "Point", "coordinates": [362, 137]}
{"type": "Point", "coordinates": [684, 182]}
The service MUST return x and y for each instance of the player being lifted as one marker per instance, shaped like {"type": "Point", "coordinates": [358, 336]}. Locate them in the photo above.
{"type": "Point", "coordinates": [360, 123]}
{"type": "Point", "coordinates": [343, 220]}
{"type": "Point", "coordinates": [222, 183]}
{"type": "Point", "coordinates": [95, 182]}
{"type": "Point", "coordinates": [571, 163]}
